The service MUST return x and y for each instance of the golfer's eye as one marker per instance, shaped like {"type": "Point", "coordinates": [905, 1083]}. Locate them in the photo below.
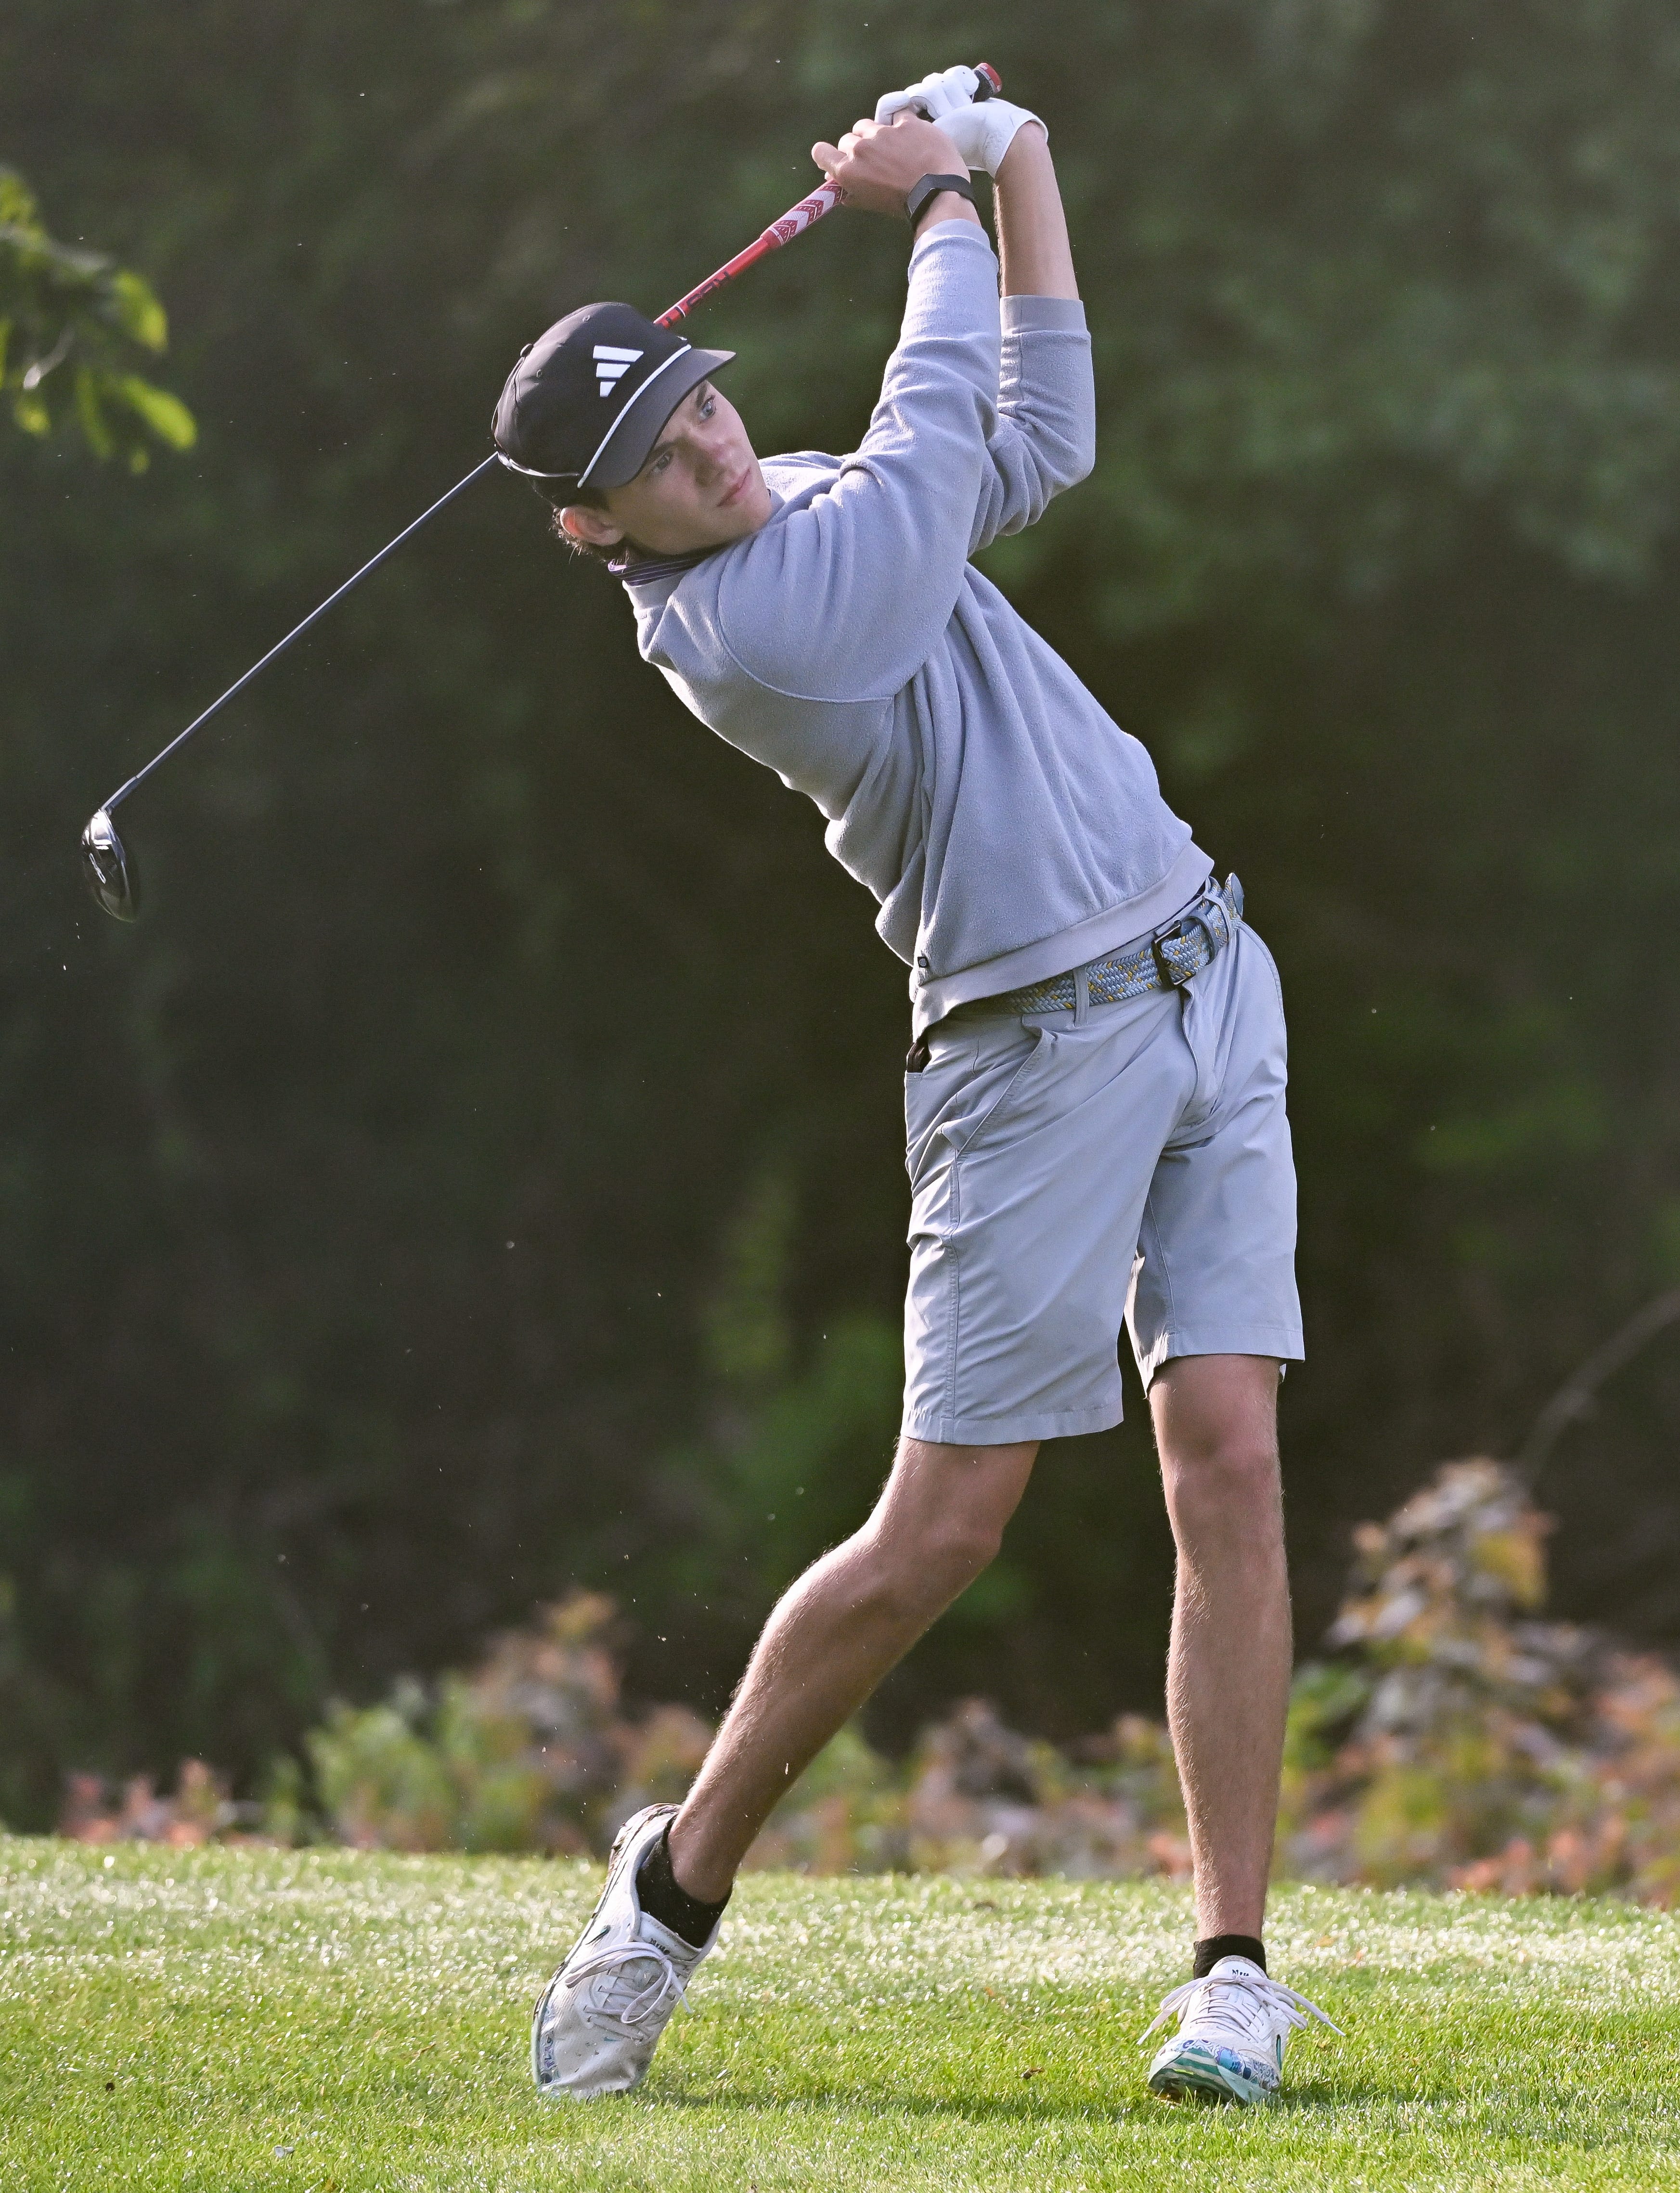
{"type": "Point", "coordinates": [659, 464]}
{"type": "Point", "coordinates": [708, 403]}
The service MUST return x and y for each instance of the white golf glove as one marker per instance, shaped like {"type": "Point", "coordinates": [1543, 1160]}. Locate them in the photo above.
{"type": "Point", "coordinates": [982, 133]}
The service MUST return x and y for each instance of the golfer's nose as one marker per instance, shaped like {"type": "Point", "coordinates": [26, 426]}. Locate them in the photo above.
{"type": "Point", "coordinates": [711, 454]}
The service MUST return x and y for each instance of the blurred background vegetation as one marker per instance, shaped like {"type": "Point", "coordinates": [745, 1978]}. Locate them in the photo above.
{"type": "Point", "coordinates": [479, 1173]}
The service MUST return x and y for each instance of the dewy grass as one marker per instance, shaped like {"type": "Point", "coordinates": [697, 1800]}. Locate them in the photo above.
{"type": "Point", "coordinates": [237, 2020]}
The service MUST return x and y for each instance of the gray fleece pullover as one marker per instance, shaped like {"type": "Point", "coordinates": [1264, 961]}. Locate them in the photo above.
{"type": "Point", "coordinates": [1008, 827]}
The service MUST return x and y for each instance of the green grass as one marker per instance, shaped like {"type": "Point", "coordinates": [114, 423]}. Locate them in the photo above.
{"type": "Point", "coordinates": [240, 2020]}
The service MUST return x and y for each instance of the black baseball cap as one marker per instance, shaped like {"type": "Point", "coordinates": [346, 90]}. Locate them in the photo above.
{"type": "Point", "coordinates": [587, 400]}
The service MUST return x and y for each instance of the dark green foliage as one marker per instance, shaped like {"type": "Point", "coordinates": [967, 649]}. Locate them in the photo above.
{"type": "Point", "coordinates": [462, 935]}
{"type": "Point", "coordinates": [70, 321]}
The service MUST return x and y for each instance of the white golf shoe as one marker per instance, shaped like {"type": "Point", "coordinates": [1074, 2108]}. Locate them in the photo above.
{"type": "Point", "coordinates": [1233, 2028]}
{"type": "Point", "coordinates": [600, 2017]}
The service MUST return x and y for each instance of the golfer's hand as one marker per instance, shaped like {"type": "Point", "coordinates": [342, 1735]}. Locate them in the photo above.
{"type": "Point", "coordinates": [878, 164]}
{"type": "Point", "coordinates": [982, 134]}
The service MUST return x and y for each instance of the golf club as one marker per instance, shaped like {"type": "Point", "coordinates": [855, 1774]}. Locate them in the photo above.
{"type": "Point", "coordinates": [107, 863]}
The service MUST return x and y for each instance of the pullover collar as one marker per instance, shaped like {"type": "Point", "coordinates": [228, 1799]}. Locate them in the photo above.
{"type": "Point", "coordinates": [646, 571]}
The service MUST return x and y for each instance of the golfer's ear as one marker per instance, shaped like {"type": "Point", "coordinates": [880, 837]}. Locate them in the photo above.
{"type": "Point", "coordinates": [594, 528]}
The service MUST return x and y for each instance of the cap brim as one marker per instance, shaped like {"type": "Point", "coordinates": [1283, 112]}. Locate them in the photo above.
{"type": "Point", "coordinates": [645, 418]}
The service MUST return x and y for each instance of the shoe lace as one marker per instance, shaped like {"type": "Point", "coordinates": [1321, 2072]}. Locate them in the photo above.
{"type": "Point", "coordinates": [647, 2002]}
{"type": "Point", "coordinates": [1228, 2004]}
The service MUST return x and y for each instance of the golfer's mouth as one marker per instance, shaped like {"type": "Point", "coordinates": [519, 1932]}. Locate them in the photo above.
{"type": "Point", "coordinates": [728, 501]}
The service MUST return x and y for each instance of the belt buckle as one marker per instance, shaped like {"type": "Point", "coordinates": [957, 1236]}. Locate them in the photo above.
{"type": "Point", "coordinates": [1173, 977]}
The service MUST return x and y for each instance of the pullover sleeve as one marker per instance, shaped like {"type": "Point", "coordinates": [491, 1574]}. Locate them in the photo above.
{"type": "Point", "coordinates": [1045, 435]}
{"type": "Point", "coordinates": [846, 599]}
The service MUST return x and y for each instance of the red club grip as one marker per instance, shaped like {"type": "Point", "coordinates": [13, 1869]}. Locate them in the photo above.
{"type": "Point", "coordinates": [990, 81]}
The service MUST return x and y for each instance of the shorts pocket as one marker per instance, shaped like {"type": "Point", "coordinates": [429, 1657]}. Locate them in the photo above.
{"type": "Point", "coordinates": [968, 1080]}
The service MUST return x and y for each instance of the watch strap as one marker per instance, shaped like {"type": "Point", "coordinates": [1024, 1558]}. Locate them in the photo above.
{"type": "Point", "coordinates": [930, 187]}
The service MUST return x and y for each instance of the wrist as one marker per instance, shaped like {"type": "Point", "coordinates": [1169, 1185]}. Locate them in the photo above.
{"type": "Point", "coordinates": [954, 193]}
{"type": "Point", "coordinates": [946, 207]}
{"type": "Point", "coordinates": [1029, 148]}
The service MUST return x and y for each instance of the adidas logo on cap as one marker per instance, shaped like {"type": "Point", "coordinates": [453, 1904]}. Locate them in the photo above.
{"type": "Point", "coordinates": [611, 364]}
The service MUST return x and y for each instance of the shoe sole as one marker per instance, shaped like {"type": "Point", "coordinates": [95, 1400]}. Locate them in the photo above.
{"type": "Point", "coordinates": [1197, 2072]}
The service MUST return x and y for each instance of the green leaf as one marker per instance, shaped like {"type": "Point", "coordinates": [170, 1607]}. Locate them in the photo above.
{"type": "Point", "coordinates": [137, 311]}
{"type": "Point", "coordinates": [167, 416]}
{"type": "Point", "coordinates": [91, 412]}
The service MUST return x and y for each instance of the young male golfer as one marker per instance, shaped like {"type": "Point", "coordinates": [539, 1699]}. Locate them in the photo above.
{"type": "Point", "coordinates": [1095, 1094]}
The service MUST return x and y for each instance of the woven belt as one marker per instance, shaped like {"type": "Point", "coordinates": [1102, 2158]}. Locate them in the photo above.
{"type": "Point", "coordinates": [1165, 962]}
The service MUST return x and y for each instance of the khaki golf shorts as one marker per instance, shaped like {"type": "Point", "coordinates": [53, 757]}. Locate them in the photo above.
{"type": "Point", "coordinates": [1070, 1170]}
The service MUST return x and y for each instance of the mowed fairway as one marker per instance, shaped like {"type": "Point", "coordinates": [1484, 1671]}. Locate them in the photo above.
{"type": "Point", "coordinates": [239, 2020]}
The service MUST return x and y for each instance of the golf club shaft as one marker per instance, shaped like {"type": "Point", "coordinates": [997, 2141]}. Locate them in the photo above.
{"type": "Point", "coordinates": [297, 633]}
{"type": "Point", "coordinates": [794, 222]}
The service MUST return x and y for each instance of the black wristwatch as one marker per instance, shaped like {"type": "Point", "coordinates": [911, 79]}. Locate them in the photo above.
{"type": "Point", "coordinates": [930, 187]}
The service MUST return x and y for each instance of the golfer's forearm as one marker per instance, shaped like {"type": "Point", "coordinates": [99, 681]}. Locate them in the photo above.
{"type": "Point", "coordinates": [945, 205]}
{"type": "Point", "coordinates": [1032, 230]}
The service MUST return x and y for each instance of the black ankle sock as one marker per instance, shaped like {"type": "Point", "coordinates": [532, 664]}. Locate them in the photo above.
{"type": "Point", "coordinates": [663, 1895]}
{"type": "Point", "coordinates": [1208, 1952]}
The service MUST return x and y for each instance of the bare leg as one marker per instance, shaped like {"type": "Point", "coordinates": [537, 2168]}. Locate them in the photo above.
{"type": "Point", "coordinates": [848, 1621]}
{"type": "Point", "coordinates": [1227, 1669]}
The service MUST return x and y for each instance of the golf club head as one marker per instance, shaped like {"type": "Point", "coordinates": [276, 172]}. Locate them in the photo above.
{"type": "Point", "coordinates": [109, 872]}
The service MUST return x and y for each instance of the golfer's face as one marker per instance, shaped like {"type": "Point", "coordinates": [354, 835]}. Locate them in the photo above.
{"type": "Point", "coordinates": [701, 486]}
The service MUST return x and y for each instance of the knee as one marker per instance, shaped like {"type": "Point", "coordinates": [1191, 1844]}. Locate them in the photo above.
{"type": "Point", "coordinates": [915, 1576]}
{"type": "Point", "coordinates": [1235, 1474]}
{"type": "Point", "coordinates": [939, 1522]}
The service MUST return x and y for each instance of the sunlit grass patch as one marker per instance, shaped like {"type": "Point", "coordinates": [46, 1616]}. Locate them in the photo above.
{"type": "Point", "coordinates": [308, 2022]}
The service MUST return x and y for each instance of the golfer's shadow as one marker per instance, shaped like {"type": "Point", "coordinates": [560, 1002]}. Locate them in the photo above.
{"type": "Point", "coordinates": [875, 2100]}
{"type": "Point", "coordinates": [1028, 2109]}
{"type": "Point", "coordinates": [1333, 2094]}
